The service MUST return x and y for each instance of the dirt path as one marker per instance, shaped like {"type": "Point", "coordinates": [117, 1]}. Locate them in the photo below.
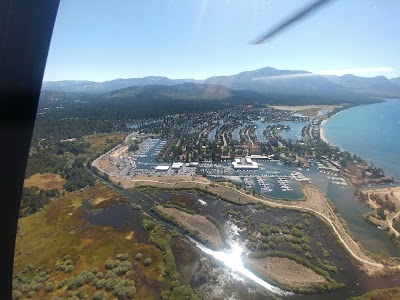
{"type": "Point", "coordinates": [118, 151]}
{"type": "Point", "coordinates": [224, 138]}
{"type": "Point", "coordinates": [394, 196]}
{"type": "Point", "coordinates": [390, 223]}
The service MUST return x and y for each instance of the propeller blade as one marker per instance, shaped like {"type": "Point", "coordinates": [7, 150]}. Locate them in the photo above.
{"type": "Point", "coordinates": [297, 17]}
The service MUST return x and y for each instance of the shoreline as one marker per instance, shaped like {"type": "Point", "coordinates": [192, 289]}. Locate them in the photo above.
{"type": "Point", "coordinates": [322, 133]}
{"type": "Point", "coordinates": [369, 160]}
{"type": "Point", "coordinates": [321, 129]}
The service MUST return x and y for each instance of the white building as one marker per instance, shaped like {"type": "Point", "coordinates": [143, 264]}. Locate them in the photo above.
{"type": "Point", "coordinates": [162, 168]}
{"type": "Point", "coordinates": [177, 165]}
{"type": "Point", "coordinates": [244, 164]}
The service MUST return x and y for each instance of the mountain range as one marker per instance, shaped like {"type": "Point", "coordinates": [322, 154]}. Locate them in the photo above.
{"type": "Point", "coordinates": [272, 84]}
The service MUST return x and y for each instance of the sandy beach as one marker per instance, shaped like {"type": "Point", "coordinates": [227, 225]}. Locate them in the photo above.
{"type": "Point", "coordinates": [321, 132]}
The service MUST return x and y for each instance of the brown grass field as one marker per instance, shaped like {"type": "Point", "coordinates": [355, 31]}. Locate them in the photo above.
{"type": "Point", "coordinates": [106, 165]}
{"type": "Point", "coordinates": [99, 141]}
{"type": "Point", "coordinates": [45, 181]}
{"type": "Point", "coordinates": [307, 110]}
{"type": "Point", "coordinates": [61, 229]}
{"type": "Point", "coordinates": [286, 271]}
{"type": "Point", "coordinates": [207, 230]}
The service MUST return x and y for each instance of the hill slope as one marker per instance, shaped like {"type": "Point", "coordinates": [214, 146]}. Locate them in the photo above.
{"type": "Point", "coordinates": [107, 86]}
{"type": "Point", "coordinates": [304, 86]}
{"type": "Point", "coordinates": [378, 86]}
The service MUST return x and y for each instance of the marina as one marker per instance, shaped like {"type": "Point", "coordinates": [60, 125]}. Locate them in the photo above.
{"type": "Point", "coordinates": [264, 185]}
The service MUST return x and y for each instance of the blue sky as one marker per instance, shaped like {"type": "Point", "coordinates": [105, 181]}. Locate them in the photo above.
{"type": "Point", "coordinates": [102, 40]}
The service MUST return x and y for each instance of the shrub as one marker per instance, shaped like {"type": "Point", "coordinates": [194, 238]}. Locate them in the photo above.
{"type": "Point", "coordinates": [285, 231]}
{"type": "Point", "coordinates": [69, 269]}
{"type": "Point", "coordinates": [121, 270]}
{"type": "Point", "coordinates": [170, 264]}
{"type": "Point", "coordinates": [251, 245]}
{"type": "Point", "coordinates": [165, 295]}
{"type": "Point", "coordinates": [122, 256]}
{"type": "Point", "coordinates": [16, 295]}
{"type": "Point", "coordinates": [81, 294]}
{"type": "Point", "coordinates": [175, 284]}
{"type": "Point", "coordinates": [308, 255]}
{"type": "Point", "coordinates": [101, 283]}
{"type": "Point", "coordinates": [147, 261]}
{"type": "Point", "coordinates": [117, 263]}
{"type": "Point", "coordinates": [68, 262]}
{"type": "Point", "coordinates": [37, 287]}
{"type": "Point", "coordinates": [110, 274]}
{"type": "Point", "coordinates": [99, 295]}
{"type": "Point", "coordinates": [111, 283]}
{"type": "Point", "coordinates": [135, 206]}
{"type": "Point", "coordinates": [49, 287]}
{"type": "Point", "coordinates": [184, 292]}
{"type": "Point", "coordinates": [175, 275]}
{"type": "Point", "coordinates": [325, 253]}
{"type": "Point", "coordinates": [109, 265]}
{"type": "Point", "coordinates": [296, 248]}
{"type": "Point", "coordinates": [265, 231]}
{"type": "Point", "coordinates": [274, 229]}
{"type": "Point", "coordinates": [148, 224]}
{"type": "Point", "coordinates": [299, 226]}
{"type": "Point", "coordinates": [80, 280]}
{"type": "Point", "coordinates": [125, 289]}
{"type": "Point", "coordinates": [89, 277]}
{"type": "Point", "coordinates": [71, 284]}
{"type": "Point", "coordinates": [25, 288]}
{"type": "Point", "coordinates": [61, 283]}
{"type": "Point", "coordinates": [297, 233]}
{"type": "Point", "coordinates": [139, 256]}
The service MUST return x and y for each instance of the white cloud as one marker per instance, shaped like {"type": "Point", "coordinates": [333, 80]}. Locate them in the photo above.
{"type": "Point", "coordinates": [354, 71]}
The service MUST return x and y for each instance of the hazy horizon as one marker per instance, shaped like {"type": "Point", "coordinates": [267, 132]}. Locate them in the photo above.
{"type": "Point", "coordinates": [361, 74]}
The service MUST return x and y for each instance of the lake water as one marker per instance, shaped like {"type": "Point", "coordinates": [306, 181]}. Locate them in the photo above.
{"type": "Point", "coordinates": [371, 131]}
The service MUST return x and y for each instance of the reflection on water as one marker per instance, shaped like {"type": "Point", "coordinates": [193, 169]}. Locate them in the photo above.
{"type": "Point", "coordinates": [232, 259]}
